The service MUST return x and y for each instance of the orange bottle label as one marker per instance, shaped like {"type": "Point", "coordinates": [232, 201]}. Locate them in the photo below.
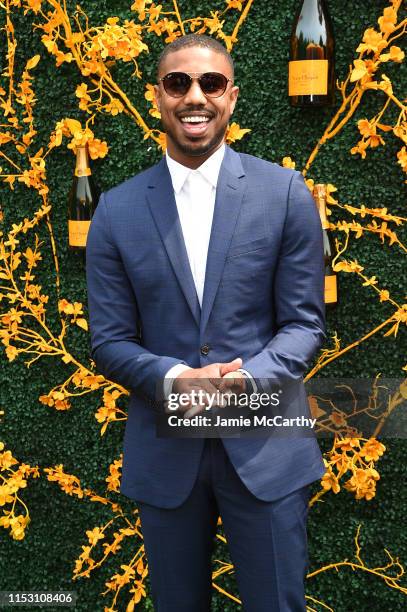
{"type": "Point", "coordinates": [306, 77]}
{"type": "Point", "coordinates": [78, 233]}
{"type": "Point", "coordinates": [331, 294]}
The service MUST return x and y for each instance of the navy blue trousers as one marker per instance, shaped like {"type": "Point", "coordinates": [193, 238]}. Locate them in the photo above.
{"type": "Point", "coordinates": [267, 542]}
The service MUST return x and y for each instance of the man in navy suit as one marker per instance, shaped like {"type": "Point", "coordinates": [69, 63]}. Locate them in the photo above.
{"type": "Point", "coordinates": [209, 266]}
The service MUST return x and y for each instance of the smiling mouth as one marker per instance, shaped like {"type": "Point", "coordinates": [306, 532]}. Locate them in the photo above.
{"type": "Point", "coordinates": [195, 125]}
{"type": "Point", "coordinates": [195, 119]}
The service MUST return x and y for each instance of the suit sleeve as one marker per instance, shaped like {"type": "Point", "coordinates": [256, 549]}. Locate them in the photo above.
{"type": "Point", "coordinates": [114, 317]}
{"type": "Point", "coordinates": [298, 292]}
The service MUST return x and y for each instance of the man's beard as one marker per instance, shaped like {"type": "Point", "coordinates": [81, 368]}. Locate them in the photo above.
{"type": "Point", "coordinates": [196, 151]}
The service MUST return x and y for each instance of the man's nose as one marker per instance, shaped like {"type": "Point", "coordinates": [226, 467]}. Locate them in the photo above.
{"type": "Point", "coordinates": [194, 94]}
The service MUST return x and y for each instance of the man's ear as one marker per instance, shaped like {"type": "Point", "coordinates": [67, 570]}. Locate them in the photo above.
{"type": "Point", "coordinates": [233, 98]}
{"type": "Point", "coordinates": [157, 95]}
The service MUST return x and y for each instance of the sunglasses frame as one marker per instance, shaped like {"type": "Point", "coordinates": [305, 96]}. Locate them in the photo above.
{"type": "Point", "coordinates": [195, 76]}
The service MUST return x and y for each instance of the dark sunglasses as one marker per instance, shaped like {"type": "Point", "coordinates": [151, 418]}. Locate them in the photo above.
{"type": "Point", "coordinates": [212, 84]}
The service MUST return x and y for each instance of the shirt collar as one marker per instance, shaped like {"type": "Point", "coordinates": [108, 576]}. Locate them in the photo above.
{"type": "Point", "coordinates": [209, 169]}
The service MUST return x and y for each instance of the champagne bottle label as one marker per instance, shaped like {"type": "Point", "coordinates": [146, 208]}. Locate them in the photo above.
{"type": "Point", "coordinates": [78, 233]}
{"type": "Point", "coordinates": [331, 293]}
{"type": "Point", "coordinates": [308, 77]}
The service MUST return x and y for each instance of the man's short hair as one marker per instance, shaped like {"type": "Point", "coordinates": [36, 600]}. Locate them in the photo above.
{"type": "Point", "coordinates": [194, 40]}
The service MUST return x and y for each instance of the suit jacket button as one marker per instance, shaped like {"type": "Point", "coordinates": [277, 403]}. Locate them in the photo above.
{"type": "Point", "coordinates": [205, 349]}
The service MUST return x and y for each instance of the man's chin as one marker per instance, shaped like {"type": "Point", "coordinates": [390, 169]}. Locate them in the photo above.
{"type": "Point", "coordinates": [196, 151]}
{"type": "Point", "coordinates": [196, 148]}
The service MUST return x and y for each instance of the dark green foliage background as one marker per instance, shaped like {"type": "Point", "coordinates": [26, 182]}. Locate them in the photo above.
{"type": "Point", "coordinates": [39, 435]}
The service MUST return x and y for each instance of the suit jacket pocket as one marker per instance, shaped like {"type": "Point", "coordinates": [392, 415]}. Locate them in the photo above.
{"type": "Point", "coordinates": [254, 264]}
{"type": "Point", "coordinates": [236, 250]}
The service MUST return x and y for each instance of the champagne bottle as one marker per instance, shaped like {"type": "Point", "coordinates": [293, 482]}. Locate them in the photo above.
{"type": "Point", "coordinates": [311, 70]}
{"type": "Point", "coordinates": [83, 199]}
{"type": "Point", "coordinates": [331, 285]}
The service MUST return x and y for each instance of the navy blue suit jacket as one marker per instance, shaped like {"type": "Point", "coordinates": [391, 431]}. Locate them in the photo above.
{"type": "Point", "coordinates": [263, 302]}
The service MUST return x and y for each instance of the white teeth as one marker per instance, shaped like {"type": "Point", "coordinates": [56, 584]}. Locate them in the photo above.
{"type": "Point", "coordinates": [194, 119]}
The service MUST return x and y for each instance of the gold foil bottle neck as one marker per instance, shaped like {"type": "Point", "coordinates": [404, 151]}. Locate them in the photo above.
{"type": "Point", "coordinates": [320, 193]}
{"type": "Point", "coordinates": [82, 167]}
{"type": "Point", "coordinates": [320, 190]}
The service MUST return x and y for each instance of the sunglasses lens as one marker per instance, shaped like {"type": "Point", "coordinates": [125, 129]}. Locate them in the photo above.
{"type": "Point", "coordinates": [213, 84]}
{"type": "Point", "coordinates": [176, 84]}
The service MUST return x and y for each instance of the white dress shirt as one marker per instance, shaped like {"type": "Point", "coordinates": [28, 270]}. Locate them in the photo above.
{"type": "Point", "coordinates": [195, 194]}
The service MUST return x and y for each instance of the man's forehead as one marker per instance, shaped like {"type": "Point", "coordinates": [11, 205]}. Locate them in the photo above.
{"type": "Point", "coordinates": [195, 59]}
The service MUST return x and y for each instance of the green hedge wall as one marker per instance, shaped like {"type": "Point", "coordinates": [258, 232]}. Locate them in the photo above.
{"type": "Point", "coordinates": [39, 435]}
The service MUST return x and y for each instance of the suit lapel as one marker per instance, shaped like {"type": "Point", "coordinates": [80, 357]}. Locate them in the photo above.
{"type": "Point", "coordinates": [163, 207]}
{"type": "Point", "coordinates": [230, 190]}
